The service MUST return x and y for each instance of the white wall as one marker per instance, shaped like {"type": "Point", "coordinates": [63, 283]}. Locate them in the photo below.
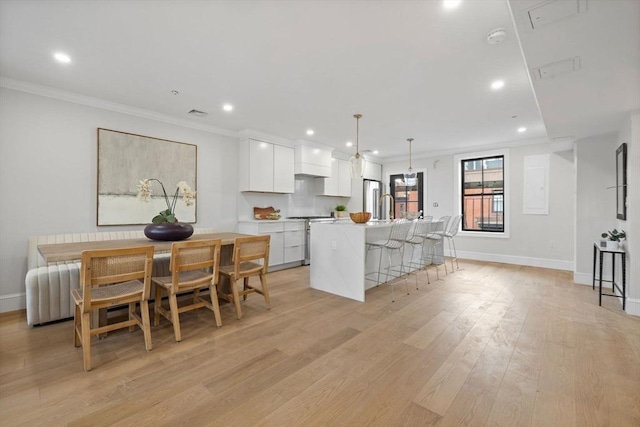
{"type": "Point", "coordinates": [596, 204]}
{"type": "Point", "coordinates": [48, 172]}
{"type": "Point", "coordinates": [530, 237]}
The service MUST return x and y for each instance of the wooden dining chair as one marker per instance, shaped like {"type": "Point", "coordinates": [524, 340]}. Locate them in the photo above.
{"type": "Point", "coordinates": [247, 251]}
{"type": "Point", "coordinates": [194, 265]}
{"type": "Point", "coordinates": [111, 277]}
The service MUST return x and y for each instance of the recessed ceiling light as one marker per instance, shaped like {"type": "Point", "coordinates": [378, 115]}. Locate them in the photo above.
{"type": "Point", "coordinates": [174, 92]}
{"type": "Point", "coordinates": [227, 107]}
{"type": "Point", "coordinates": [522, 129]}
{"type": "Point", "coordinates": [62, 57]}
{"type": "Point", "coordinates": [498, 84]}
{"type": "Point", "coordinates": [375, 151]}
{"type": "Point", "coordinates": [349, 144]}
{"type": "Point", "coordinates": [451, 4]}
{"type": "Point", "coordinates": [310, 132]}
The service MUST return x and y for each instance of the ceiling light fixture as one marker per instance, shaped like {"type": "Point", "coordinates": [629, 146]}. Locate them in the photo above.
{"type": "Point", "coordinates": [376, 152]}
{"type": "Point", "coordinates": [310, 132]}
{"type": "Point", "coordinates": [349, 144]}
{"type": "Point", "coordinates": [174, 92]}
{"type": "Point", "coordinates": [62, 57]}
{"type": "Point", "coordinates": [498, 84]}
{"type": "Point", "coordinates": [522, 129]}
{"type": "Point", "coordinates": [451, 4]}
{"type": "Point", "coordinates": [357, 161]}
{"type": "Point", "coordinates": [410, 177]}
{"type": "Point", "coordinates": [227, 107]}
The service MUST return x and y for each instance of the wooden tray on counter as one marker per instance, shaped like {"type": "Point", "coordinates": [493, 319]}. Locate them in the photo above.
{"type": "Point", "coordinates": [266, 213]}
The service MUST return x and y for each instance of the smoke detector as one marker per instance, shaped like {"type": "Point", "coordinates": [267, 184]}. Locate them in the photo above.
{"type": "Point", "coordinates": [496, 36]}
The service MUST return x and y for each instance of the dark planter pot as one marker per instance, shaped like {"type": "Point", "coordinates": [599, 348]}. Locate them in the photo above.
{"type": "Point", "coordinates": [168, 231]}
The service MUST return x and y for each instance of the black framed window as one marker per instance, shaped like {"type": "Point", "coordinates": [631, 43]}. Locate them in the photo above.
{"type": "Point", "coordinates": [482, 192]}
{"type": "Point", "coordinates": [407, 198]}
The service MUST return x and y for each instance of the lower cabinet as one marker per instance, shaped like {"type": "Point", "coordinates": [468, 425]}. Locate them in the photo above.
{"type": "Point", "coordinates": [287, 239]}
{"type": "Point", "coordinates": [293, 241]}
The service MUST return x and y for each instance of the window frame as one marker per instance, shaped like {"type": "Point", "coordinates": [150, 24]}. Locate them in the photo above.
{"type": "Point", "coordinates": [458, 194]}
{"type": "Point", "coordinates": [421, 188]}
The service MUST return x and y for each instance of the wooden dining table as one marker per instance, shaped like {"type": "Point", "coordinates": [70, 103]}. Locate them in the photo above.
{"type": "Point", "coordinates": [60, 252]}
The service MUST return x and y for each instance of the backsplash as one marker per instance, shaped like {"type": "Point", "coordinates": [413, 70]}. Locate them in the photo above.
{"type": "Point", "coordinates": [303, 202]}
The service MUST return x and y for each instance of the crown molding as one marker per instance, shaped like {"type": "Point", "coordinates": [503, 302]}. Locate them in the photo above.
{"type": "Point", "coordinates": [468, 149]}
{"type": "Point", "coordinates": [256, 134]}
{"type": "Point", "coordinates": [77, 98]}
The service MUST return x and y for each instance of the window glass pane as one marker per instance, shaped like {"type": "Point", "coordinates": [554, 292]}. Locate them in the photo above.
{"type": "Point", "coordinates": [483, 194]}
{"type": "Point", "coordinates": [407, 198]}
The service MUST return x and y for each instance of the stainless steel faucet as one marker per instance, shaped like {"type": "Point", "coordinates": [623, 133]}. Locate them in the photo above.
{"type": "Point", "coordinates": [391, 206]}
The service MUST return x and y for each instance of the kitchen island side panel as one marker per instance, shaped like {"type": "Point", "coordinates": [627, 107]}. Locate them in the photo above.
{"type": "Point", "coordinates": [338, 254]}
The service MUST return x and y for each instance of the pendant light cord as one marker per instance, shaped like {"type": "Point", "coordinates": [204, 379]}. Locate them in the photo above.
{"type": "Point", "coordinates": [357, 116]}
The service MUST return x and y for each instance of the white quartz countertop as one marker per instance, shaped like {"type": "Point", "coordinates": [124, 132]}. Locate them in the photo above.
{"type": "Point", "coordinates": [350, 223]}
{"type": "Point", "coordinates": [267, 221]}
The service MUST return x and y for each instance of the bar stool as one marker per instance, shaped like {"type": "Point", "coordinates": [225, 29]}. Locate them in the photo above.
{"type": "Point", "coordinates": [434, 238]}
{"type": "Point", "coordinates": [449, 235]}
{"type": "Point", "coordinates": [416, 239]}
{"type": "Point", "coordinates": [395, 243]}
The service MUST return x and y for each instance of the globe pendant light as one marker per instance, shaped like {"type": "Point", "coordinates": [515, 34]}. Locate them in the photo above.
{"type": "Point", "coordinates": [357, 161]}
{"type": "Point", "coordinates": [410, 177]}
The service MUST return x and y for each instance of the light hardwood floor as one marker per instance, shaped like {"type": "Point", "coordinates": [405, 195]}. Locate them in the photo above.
{"type": "Point", "coordinates": [489, 345]}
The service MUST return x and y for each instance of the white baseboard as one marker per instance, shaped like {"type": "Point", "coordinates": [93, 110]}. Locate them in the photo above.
{"type": "Point", "coordinates": [518, 260]}
{"type": "Point", "coordinates": [582, 278]}
{"type": "Point", "coordinates": [633, 306]}
{"type": "Point", "coordinates": [13, 302]}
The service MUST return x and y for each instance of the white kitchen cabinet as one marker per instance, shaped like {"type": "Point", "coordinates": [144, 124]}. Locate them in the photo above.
{"type": "Point", "coordinates": [344, 178]}
{"type": "Point", "coordinates": [266, 167]}
{"type": "Point", "coordinates": [283, 169]}
{"type": "Point", "coordinates": [294, 236]}
{"type": "Point", "coordinates": [372, 171]}
{"type": "Point", "coordinates": [339, 183]}
{"type": "Point", "coordinates": [287, 239]}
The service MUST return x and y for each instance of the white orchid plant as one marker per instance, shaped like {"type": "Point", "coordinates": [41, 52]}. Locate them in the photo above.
{"type": "Point", "coordinates": [168, 215]}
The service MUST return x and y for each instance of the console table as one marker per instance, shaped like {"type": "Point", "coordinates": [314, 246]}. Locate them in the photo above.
{"type": "Point", "coordinates": [598, 252]}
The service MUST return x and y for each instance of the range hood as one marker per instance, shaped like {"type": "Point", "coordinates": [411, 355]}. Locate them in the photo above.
{"type": "Point", "coordinates": [312, 159]}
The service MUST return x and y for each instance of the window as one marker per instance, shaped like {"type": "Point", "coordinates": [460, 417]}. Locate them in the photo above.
{"type": "Point", "coordinates": [482, 189]}
{"type": "Point", "coordinates": [407, 198]}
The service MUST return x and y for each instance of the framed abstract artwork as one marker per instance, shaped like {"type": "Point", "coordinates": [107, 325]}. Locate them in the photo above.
{"type": "Point", "coordinates": [125, 159]}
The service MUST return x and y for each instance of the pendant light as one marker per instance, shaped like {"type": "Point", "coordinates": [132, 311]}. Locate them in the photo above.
{"type": "Point", "coordinates": [410, 177]}
{"type": "Point", "coordinates": [357, 161]}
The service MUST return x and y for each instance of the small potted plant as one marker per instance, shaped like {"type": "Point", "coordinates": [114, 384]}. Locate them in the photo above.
{"type": "Point", "coordinates": [613, 238]}
{"type": "Point", "coordinates": [340, 211]}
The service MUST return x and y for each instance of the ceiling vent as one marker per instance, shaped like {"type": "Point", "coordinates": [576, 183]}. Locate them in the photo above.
{"type": "Point", "coordinates": [550, 71]}
{"type": "Point", "coordinates": [553, 11]}
{"type": "Point", "coordinates": [197, 113]}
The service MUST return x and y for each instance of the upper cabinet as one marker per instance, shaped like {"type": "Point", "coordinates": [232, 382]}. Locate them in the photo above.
{"type": "Point", "coordinates": [372, 171]}
{"type": "Point", "coordinates": [312, 159]}
{"type": "Point", "coordinates": [339, 183]}
{"type": "Point", "coordinates": [265, 167]}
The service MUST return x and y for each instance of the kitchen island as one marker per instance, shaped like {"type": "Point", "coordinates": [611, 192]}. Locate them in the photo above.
{"type": "Point", "coordinates": [339, 262]}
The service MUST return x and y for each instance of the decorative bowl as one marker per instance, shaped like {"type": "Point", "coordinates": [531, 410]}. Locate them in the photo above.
{"type": "Point", "coordinates": [360, 217]}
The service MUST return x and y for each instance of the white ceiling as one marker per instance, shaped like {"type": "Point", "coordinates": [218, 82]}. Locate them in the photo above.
{"type": "Point", "coordinates": [412, 68]}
